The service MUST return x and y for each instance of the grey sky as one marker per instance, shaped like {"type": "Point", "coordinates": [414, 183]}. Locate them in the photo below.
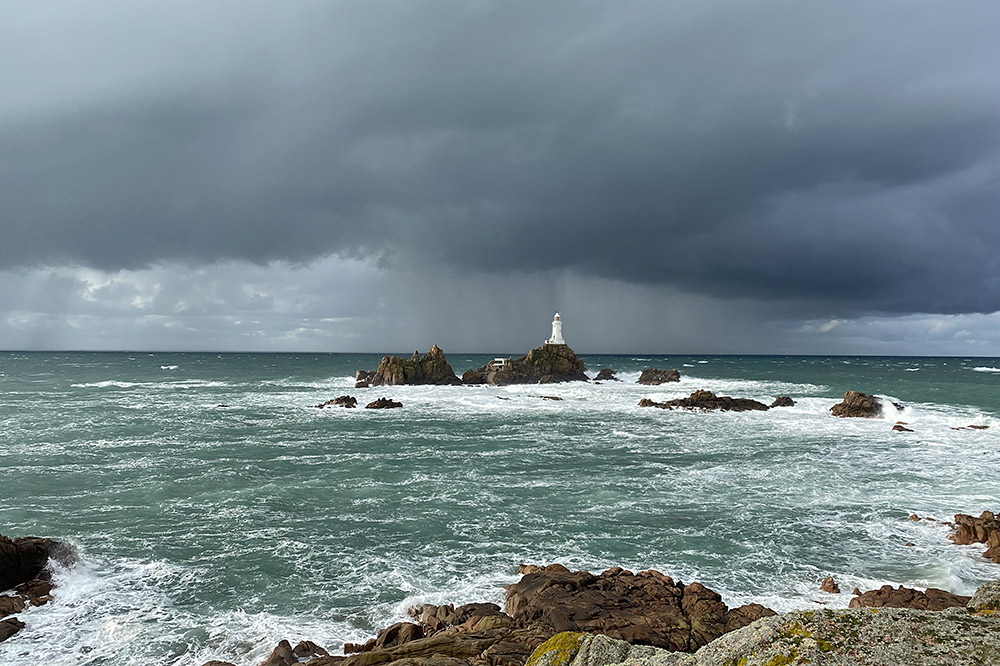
{"type": "Point", "coordinates": [691, 176]}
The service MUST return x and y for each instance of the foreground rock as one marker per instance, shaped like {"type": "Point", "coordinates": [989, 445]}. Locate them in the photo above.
{"type": "Point", "coordinates": [606, 375]}
{"type": "Point", "coordinates": [858, 405]}
{"type": "Point", "coordinates": [853, 637]}
{"type": "Point", "coordinates": [984, 529]}
{"type": "Point", "coordinates": [647, 608]}
{"type": "Point", "coordinates": [903, 597]}
{"type": "Point", "coordinates": [341, 401]}
{"type": "Point", "coordinates": [706, 400]}
{"type": "Point", "coordinates": [431, 368]}
{"type": "Point", "coordinates": [655, 376]}
{"type": "Point", "coordinates": [23, 572]}
{"type": "Point", "coordinates": [547, 364]}
{"type": "Point", "coordinates": [383, 403]}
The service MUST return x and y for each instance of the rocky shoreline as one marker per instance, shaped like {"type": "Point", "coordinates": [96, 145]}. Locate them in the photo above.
{"type": "Point", "coordinates": [556, 617]}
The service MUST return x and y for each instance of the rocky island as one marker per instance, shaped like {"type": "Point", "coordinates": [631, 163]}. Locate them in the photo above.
{"type": "Point", "coordinates": [547, 364]}
{"type": "Point", "coordinates": [431, 368]}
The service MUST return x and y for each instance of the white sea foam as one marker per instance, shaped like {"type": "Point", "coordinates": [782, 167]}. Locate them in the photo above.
{"type": "Point", "coordinates": [169, 367]}
{"type": "Point", "coordinates": [984, 368]}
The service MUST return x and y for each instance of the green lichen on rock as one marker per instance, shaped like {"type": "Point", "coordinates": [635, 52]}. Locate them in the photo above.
{"type": "Point", "coordinates": [986, 600]}
{"type": "Point", "coordinates": [558, 650]}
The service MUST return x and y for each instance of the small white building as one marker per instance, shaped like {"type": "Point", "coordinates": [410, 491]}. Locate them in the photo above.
{"type": "Point", "coordinates": [498, 364]}
{"type": "Point", "coordinates": [557, 338]}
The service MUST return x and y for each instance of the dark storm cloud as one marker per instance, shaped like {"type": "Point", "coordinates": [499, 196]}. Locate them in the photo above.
{"type": "Point", "coordinates": [842, 153]}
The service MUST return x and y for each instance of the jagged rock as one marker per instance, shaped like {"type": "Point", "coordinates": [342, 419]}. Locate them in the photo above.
{"type": "Point", "coordinates": [984, 529]}
{"type": "Point", "coordinates": [830, 585]}
{"type": "Point", "coordinates": [9, 605]}
{"type": "Point", "coordinates": [606, 375]}
{"type": "Point", "coordinates": [397, 634]}
{"type": "Point", "coordinates": [904, 597]}
{"type": "Point", "coordinates": [282, 655]}
{"type": "Point", "coordinates": [647, 608]}
{"type": "Point", "coordinates": [901, 428]}
{"type": "Point", "coordinates": [858, 405]}
{"type": "Point", "coordinates": [216, 662]}
{"type": "Point", "coordinates": [340, 401]}
{"type": "Point", "coordinates": [22, 559]}
{"type": "Point", "coordinates": [431, 368]}
{"type": "Point", "coordinates": [306, 649]}
{"type": "Point", "coordinates": [782, 401]}
{"type": "Point", "coordinates": [363, 378]}
{"type": "Point", "coordinates": [655, 376]}
{"type": "Point", "coordinates": [9, 627]}
{"type": "Point", "coordinates": [383, 403]}
{"type": "Point", "coordinates": [706, 400]}
{"type": "Point", "coordinates": [547, 364]}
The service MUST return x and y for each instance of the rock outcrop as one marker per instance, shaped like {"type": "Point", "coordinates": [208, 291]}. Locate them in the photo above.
{"type": "Point", "coordinates": [383, 403]}
{"type": "Point", "coordinates": [904, 597]}
{"type": "Point", "coordinates": [984, 529]}
{"type": "Point", "coordinates": [431, 368]}
{"type": "Point", "coordinates": [606, 375]}
{"type": "Point", "coordinates": [23, 572]}
{"type": "Point", "coordinates": [858, 405]}
{"type": "Point", "coordinates": [852, 637]}
{"type": "Point", "coordinates": [706, 400]}
{"type": "Point", "coordinates": [547, 364]}
{"type": "Point", "coordinates": [340, 401]}
{"type": "Point", "coordinates": [654, 610]}
{"type": "Point", "coordinates": [646, 608]}
{"type": "Point", "coordinates": [655, 376]}
{"type": "Point", "coordinates": [782, 401]}
{"type": "Point", "coordinates": [830, 585]}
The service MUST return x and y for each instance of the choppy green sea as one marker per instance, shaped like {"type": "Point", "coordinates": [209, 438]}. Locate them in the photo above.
{"type": "Point", "coordinates": [217, 512]}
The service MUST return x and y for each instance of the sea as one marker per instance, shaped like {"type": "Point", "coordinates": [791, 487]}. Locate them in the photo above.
{"type": "Point", "coordinates": [216, 511]}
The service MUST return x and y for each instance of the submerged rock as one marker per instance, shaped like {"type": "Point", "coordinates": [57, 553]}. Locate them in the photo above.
{"type": "Point", "coordinates": [858, 405]}
{"type": "Point", "coordinates": [383, 403]}
{"type": "Point", "coordinates": [706, 400]}
{"type": "Point", "coordinates": [340, 401]}
{"type": "Point", "coordinates": [655, 376]}
{"type": "Point", "coordinates": [9, 627]}
{"type": "Point", "coordinates": [431, 368]}
{"type": "Point", "coordinates": [547, 364]}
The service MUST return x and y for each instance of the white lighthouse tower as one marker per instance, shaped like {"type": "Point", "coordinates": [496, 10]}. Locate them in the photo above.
{"type": "Point", "coordinates": [557, 338]}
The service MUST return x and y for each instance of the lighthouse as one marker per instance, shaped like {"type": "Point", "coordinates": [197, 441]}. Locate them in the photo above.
{"type": "Point", "coordinates": [557, 338]}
